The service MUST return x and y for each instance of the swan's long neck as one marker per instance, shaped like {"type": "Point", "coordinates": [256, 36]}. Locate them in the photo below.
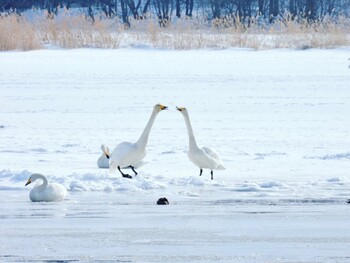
{"type": "Point", "coordinates": [142, 142]}
{"type": "Point", "coordinates": [192, 139]}
{"type": "Point", "coordinates": [45, 182]}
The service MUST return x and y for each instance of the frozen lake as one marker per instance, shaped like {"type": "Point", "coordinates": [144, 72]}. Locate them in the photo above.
{"type": "Point", "coordinates": [115, 227]}
{"type": "Point", "coordinates": [278, 118]}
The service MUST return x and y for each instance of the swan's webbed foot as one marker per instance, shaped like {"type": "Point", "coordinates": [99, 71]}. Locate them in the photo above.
{"type": "Point", "coordinates": [127, 176]}
{"type": "Point", "coordinates": [133, 169]}
{"type": "Point", "coordinates": [201, 171]}
{"type": "Point", "coordinates": [123, 174]}
{"type": "Point", "coordinates": [211, 172]}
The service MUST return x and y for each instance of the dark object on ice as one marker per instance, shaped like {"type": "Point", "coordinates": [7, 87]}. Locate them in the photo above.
{"type": "Point", "coordinates": [348, 201]}
{"type": "Point", "coordinates": [162, 201]}
{"type": "Point", "coordinates": [2, 126]}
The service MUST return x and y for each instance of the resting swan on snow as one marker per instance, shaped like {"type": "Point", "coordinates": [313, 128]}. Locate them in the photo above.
{"type": "Point", "coordinates": [203, 158]}
{"type": "Point", "coordinates": [127, 154]}
{"type": "Point", "coordinates": [103, 161]}
{"type": "Point", "coordinates": [45, 192]}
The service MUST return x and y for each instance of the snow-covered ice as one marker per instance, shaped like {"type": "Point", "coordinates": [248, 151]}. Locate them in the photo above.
{"type": "Point", "coordinates": [278, 118]}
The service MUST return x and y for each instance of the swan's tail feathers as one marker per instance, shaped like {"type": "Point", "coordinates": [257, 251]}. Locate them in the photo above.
{"type": "Point", "coordinates": [221, 167]}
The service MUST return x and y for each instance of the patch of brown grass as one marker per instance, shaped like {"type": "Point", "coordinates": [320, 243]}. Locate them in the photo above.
{"type": "Point", "coordinates": [16, 33]}
{"type": "Point", "coordinates": [77, 31]}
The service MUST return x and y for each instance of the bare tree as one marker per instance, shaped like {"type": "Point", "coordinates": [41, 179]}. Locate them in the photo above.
{"type": "Point", "coordinates": [216, 8]}
{"type": "Point", "coordinates": [310, 10]}
{"type": "Point", "coordinates": [189, 7]}
{"type": "Point", "coordinates": [136, 8]}
{"type": "Point", "coordinates": [261, 4]}
{"type": "Point", "coordinates": [273, 9]}
{"type": "Point", "coordinates": [163, 9]}
{"type": "Point", "coordinates": [124, 9]}
{"type": "Point", "coordinates": [211, 9]}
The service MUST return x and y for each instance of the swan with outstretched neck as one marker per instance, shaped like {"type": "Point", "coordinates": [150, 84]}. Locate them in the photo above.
{"type": "Point", "coordinates": [127, 154]}
{"type": "Point", "coordinates": [45, 192]}
{"type": "Point", "coordinates": [203, 158]}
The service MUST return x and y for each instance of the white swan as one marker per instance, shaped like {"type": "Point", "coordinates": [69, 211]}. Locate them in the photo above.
{"type": "Point", "coordinates": [45, 192]}
{"type": "Point", "coordinates": [203, 158]}
{"type": "Point", "coordinates": [127, 154]}
{"type": "Point", "coordinates": [103, 161]}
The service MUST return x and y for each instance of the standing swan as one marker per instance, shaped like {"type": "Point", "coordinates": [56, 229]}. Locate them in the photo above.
{"type": "Point", "coordinates": [127, 154]}
{"type": "Point", "coordinates": [201, 157]}
{"type": "Point", "coordinates": [103, 161]}
{"type": "Point", "coordinates": [45, 192]}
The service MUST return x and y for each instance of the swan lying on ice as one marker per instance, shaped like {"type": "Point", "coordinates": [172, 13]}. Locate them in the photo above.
{"type": "Point", "coordinates": [127, 154]}
{"type": "Point", "coordinates": [45, 192]}
{"type": "Point", "coordinates": [203, 158]}
{"type": "Point", "coordinates": [103, 161]}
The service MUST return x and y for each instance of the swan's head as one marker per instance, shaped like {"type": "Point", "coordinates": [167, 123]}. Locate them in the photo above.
{"type": "Point", "coordinates": [105, 150]}
{"type": "Point", "coordinates": [159, 108]}
{"type": "Point", "coordinates": [183, 110]}
{"type": "Point", "coordinates": [33, 177]}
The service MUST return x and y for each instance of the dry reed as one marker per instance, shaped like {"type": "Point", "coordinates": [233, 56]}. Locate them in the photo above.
{"type": "Point", "coordinates": [77, 31]}
{"type": "Point", "coordinates": [16, 33]}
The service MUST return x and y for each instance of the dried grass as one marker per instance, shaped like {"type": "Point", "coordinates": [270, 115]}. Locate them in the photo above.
{"type": "Point", "coordinates": [76, 31]}
{"type": "Point", "coordinates": [16, 33]}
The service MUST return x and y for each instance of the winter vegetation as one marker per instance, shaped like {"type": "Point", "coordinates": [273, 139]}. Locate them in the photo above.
{"type": "Point", "coordinates": [174, 24]}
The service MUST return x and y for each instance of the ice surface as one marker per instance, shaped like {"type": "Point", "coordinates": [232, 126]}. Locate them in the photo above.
{"type": "Point", "coordinates": [278, 118]}
{"type": "Point", "coordinates": [123, 227]}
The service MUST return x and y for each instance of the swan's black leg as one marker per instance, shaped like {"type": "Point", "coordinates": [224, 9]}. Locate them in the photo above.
{"type": "Point", "coordinates": [211, 172]}
{"type": "Point", "coordinates": [133, 169]}
{"type": "Point", "coordinates": [123, 174]}
{"type": "Point", "coordinates": [201, 171]}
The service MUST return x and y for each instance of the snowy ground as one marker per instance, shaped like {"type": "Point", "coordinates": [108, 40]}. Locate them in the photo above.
{"type": "Point", "coordinates": [279, 118]}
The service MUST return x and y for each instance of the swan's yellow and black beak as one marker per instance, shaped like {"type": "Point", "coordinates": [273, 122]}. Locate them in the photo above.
{"type": "Point", "coordinates": [107, 155]}
{"type": "Point", "coordinates": [162, 107]}
{"type": "Point", "coordinates": [179, 109]}
{"type": "Point", "coordinates": [28, 182]}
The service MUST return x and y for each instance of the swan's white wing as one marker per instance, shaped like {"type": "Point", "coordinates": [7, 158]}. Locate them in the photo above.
{"type": "Point", "coordinates": [214, 155]}
{"type": "Point", "coordinates": [123, 148]}
{"type": "Point", "coordinates": [119, 153]}
{"type": "Point", "coordinates": [211, 153]}
{"type": "Point", "coordinates": [57, 192]}
{"type": "Point", "coordinates": [53, 192]}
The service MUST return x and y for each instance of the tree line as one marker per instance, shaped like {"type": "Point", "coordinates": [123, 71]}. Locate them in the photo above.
{"type": "Point", "coordinates": [165, 10]}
